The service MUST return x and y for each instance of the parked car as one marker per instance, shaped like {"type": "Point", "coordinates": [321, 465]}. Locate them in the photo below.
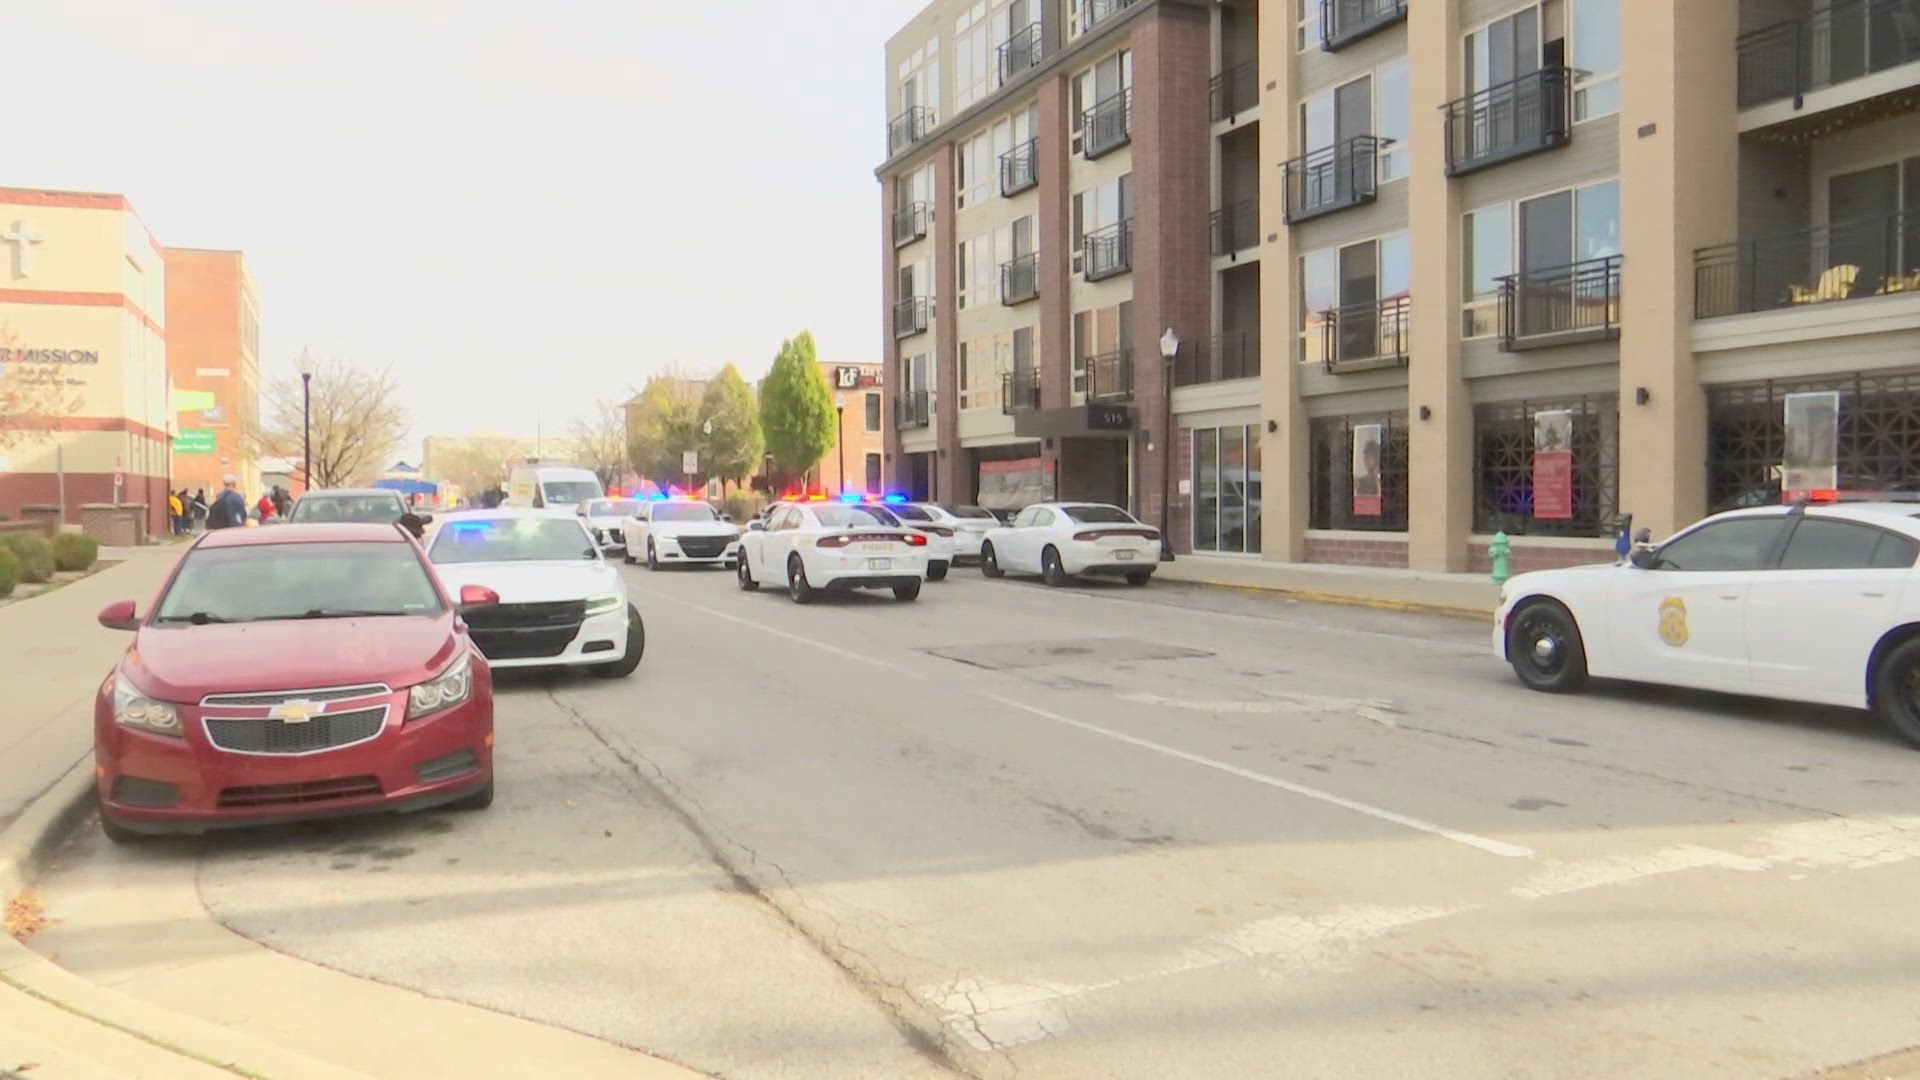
{"type": "Point", "coordinates": [927, 520]}
{"type": "Point", "coordinates": [539, 487]}
{"type": "Point", "coordinates": [298, 672]}
{"type": "Point", "coordinates": [680, 531]}
{"type": "Point", "coordinates": [1064, 540]}
{"type": "Point", "coordinates": [817, 547]}
{"type": "Point", "coordinates": [359, 506]}
{"type": "Point", "coordinates": [605, 520]}
{"type": "Point", "coordinates": [969, 524]}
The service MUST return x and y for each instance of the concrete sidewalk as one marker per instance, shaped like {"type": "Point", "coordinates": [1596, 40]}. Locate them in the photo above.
{"type": "Point", "coordinates": [1471, 596]}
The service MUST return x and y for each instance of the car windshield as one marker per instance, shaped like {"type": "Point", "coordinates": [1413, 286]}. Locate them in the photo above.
{"type": "Point", "coordinates": [568, 492]}
{"type": "Point", "coordinates": [360, 508]}
{"type": "Point", "coordinates": [684, 512]}
{"type": "Point", "coordinates": [260, 582]}
{"type": "Point", "coordinates": [612, 507]}
{"type": "Point", "coordinates": [841, 517]}
{"type": "Point", "coordinates": [511, 539]}
{"type": "Point", "coordinates": [972, 512]}
{"type": "Point", "coordinates": [1099, 515]}
{"type": "Point", "coordinates": [910, 513]}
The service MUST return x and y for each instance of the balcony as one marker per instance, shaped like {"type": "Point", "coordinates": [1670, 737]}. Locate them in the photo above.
{"type": "Point", "coordinates": [1020, 168]}
{"type": "Point", "coordinates": [1019, 53]}
{"type": "Point", "coordinates": [912, 409]}
{"type": "Point", "coordinates": [1234, 91]}
{"type": "Point", "coordinates": [1331, 178]}
{"type": "Point", "coordinates": [1019, 391]}
{"type": "Point", "coordinates": [908, 128]}
{"type": "Point", "coordinates": [1235, 228]}
{"type": "Point", "coordinates": [1560, 305]}
{"type": "Point", "coordinates": [1110, 376]}
{"type": "Point", "coordinates": [1512, 120]}
{"type": "Point", "coordinates": [1095, 12]}
{"type": "Point", "coordinates": [910, 316]}
{"type": "Point", "coordinates": [1107, 126]}
{"type": "Point", "coordinates": [1020, 279]}
{"type": "Point", "coordinates": [1832, 45]}
{"type": "Point", "coordinates": [1343, 22]}
{"type": "Point", "coordinates": [1366, 335]}
{"type": "Point", "coordinates": [1231, 355]}
{"type": "Point", "coordinates": [1873, 256]}
{"type": "Point", "coordinates": [910, 223]}
{"type": "Point", "coordinates": [1107, 252]}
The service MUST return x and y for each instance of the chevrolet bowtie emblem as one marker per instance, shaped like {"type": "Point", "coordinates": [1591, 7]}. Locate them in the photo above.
{"type": "Point", "coordinates": [294, 712]}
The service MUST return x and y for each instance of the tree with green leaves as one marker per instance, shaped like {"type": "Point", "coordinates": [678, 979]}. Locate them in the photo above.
{"type": "Point", "coordinates": [731, 440]}
{"type": "Point", "coordinates": [796, 408]}
{"type": "Point", "coordinates": [662, 423]}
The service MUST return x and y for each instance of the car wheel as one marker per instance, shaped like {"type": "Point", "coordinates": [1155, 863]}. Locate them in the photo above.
{"type": "Point", "coordinates": [653, 557]}
{"type": "Point", "coordinates": [797, 584]}
{"type": "Point", "coordinates": [1051, 570]}
{"type": "Point", "coordinates": [118, 833]}
{"type": "Point", "coordinates": [1545, 649]}
{"type": "Point", "coordinates": [636, 647]}
{"type": "Point", "coordinates": [909, 591]}
{"type": "Point", "coordinates": [989, 565]}
{"type": "Point", "coordinates": [1896, 689]}
{"type": "Point", "coordinates": [936, 571]}
{"type": "Point", "coordinates": [1139, 578]}
{"type": "Point", "coordinates": [479, 800]}
{"type": "Point", "coordinates": [626, 555]}
{"type": "Point", "coordinates": [746, 575]}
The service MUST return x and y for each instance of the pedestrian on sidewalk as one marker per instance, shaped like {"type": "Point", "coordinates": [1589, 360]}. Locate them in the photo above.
{"type": "Point", "coordinates": [264, 507]}
{"type": "Point", "coordinates": [282, 502]}
{"type": "Point", "coordinates": [197, 509]}
{"type": "Point", "coordinates": [229, 509]}
{"type": "Point", "coordinates": [177, 511]}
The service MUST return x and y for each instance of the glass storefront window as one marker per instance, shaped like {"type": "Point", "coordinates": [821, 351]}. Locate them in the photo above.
{"type": "Point", "coordinates": [1206, 489]}
{"type": "Point", "coordinates": [1331, 474]}
{"type": "Point", "coordinates": [1505, 439]}
{"type": "Point", "coordinates": [1226, 489]}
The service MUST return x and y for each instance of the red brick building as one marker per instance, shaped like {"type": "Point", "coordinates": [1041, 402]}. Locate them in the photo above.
{"type": "Point", "coordinates": [213, 355]}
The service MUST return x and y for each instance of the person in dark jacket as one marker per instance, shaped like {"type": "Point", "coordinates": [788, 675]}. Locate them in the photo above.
{"type": "Point", "coordinates": [229, 509]}
{"type": "Point", "coordinates": [197, 509]}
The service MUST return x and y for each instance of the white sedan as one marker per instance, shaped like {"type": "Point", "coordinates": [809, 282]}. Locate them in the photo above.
{"type": "Point", "coordinates": [969, 525]}
{"type": "Point", "coordinates": [1061, 541]}
{"type": "Point", "coordinates": [817, 547]}
{"type": "Point", "coordinates": [941, 538]}
{"type": "Point", "coordinates": [561, 603]}
{"type": "Point", "coordinates": [680, 531]}
{"type": "Point", "coordinates": [1806, 603]}
{"type": "Point", "coordinates": [604, 518]}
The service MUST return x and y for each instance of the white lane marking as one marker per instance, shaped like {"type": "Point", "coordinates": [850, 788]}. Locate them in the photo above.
{"type": "Point", "coordinates": [1558, 879]}
{"type": "Point", "coordinates": [1494, 847]}
{"type": "Point", "coordinates": [1374, 709]}
{"type": "Point", "coordinates": [834, 649]}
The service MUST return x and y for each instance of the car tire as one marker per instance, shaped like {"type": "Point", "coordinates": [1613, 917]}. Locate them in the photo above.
{"type": "Point", "coordinates": [904, 593]}
{"type": "Point", "coordinates": [479, 800]}
{"type": "Point", "coordinates": [989, 563]}
{"type": "Point", "coordinates": [1545, 649]}
{"type": "Point", "coordinates": [626, 555]}
{"type": "Point", "coordinates": [1052, 571]}
{"type": "Point", "coordinates": [936, 571]}
{"type": "Point", "coordinates": [636, 648]}
{"type": "Point", "coordinates": [117, 832]}
{"type": "Point", "coordinates": [1896, 689]}
{"type": "Point", "coordinates": [653, 557]}
{"type": "Point", "coordinates": [798, 587]}
{"type": "Point", "coordinates": [747, 584]}
{"type": "Point", "coordinates": [1139, 578]}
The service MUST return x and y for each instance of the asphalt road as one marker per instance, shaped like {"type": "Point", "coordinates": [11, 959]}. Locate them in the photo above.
{"type": "Point", "coordinates": [1112, 832]}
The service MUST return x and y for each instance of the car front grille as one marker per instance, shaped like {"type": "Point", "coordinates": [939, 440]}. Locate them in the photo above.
{"type": "Point", "coordinates": [526, 631]}
{"type": "Point", "coordinates": [281, 697]}
{"type": "Point", "coordinates": [314, 791]}
{"type": "Point", "coordinates": [527, 616]}
{"type": "Point", "coordinates": [703, 547]}
{"type": "Point", "coordinates": [327, 731]}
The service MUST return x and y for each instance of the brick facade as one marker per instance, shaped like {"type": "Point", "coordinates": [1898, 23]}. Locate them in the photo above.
{"type": "Point", "coordinates": [1353, 551]}
{"type": "Point", "coordinates": [1524, 557]}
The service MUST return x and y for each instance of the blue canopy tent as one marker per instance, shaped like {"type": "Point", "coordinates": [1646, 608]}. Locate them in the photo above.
{"type": "Point", "coordinates": [409, 487]}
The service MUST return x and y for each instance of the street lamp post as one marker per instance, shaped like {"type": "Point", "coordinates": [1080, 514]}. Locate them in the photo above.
{"type": "Point", "coordinates": [306, 421]}
{"type": "Point", "coordinates": [840, 436]}
{"type": "Point", "coordinates": [1169, 348]}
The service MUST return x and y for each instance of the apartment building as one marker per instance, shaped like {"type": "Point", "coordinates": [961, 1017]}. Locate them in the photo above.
{"type": "Point", "coordinates": [1070, 227]}
{"type": "Point", "coordinates": [213, 358]}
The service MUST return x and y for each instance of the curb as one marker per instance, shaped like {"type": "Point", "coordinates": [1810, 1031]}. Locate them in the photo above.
{"type": "Point", "coordinates": [1410, 607]}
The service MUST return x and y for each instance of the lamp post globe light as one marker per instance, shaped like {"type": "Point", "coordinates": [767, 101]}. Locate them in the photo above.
{"type": "Point", "coordinates": [840, 435]}
{"type": "Point", "coordinates": [1169, 349]}
{"type": "Point", "coordinates": [305, 364]}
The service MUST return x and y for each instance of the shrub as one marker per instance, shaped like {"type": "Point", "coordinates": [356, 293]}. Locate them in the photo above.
{"type": "Point", "coordinates": [740, 507]}
{"type": "Point", "coordinates": [74, 551]}
{"type": "Point", "coordinates": [9, 570]}
{"type": "Point", "coordinates": [34, 553]}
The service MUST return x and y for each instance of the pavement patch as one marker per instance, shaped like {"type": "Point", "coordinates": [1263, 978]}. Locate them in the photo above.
{"type": "Point", "coordinates": [1006, 655]}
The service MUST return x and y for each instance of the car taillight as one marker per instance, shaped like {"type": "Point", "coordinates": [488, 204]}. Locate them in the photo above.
{"type": "Point", "coordinates": [1102, 534]}
{"type": "Point", "coordinates": [915, 540]}
{"type": "Point", "coordinates": [833, 541]}
{"type": "Point", "coordinates": [1090, 535]}
{"type": "Point", "coordinates": [937, 530]}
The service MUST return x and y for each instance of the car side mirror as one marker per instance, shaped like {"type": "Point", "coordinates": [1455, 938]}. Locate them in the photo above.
{"type": "Point", "coordinates": [425, 519]}
{"type": "Point", "coordinates": [1644, 557]}
{"type": "Point", "coordinates": [119, 615]}
{"type": "Point", "coordinates": [476, 598]}
{"type": "Point", "coordinates": [756, 526]}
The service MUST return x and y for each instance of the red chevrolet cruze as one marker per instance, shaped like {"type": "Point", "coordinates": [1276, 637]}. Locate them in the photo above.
{"type": "Point", "coordinates": [296, 672]}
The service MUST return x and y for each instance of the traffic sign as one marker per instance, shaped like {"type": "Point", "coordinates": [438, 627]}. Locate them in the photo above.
{"type": "Point", "coordinates": [690, 461]}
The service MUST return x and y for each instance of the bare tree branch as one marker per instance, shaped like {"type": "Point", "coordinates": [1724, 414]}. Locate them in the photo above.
{"type": "Point", "coordinates": [602, 438]}
{"type": "Point", "coordinates": [33, 397]}
{"type": "Point", "coordinates": [358, 421]}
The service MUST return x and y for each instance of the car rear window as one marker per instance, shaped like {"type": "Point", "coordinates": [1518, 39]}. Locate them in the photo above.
{"type": "Point", "coordinates": [511, 539]}
{"type": "Point", "coordinates": [1099, 515]}
{"type": "Point", "coordinates": [909, 513]}
{"type": "Point", "coordinates": [684, 512]}
{"type": "Point", "coordinates": [841, 517]}
{"type": "Point", "coordinates": [257, 582]}
{"type": "Point", "coordinates": [377, 509]}
{"type": "Point", "coordinates": [612, 507]}
{"type": "Point", "coordinates": [969, 512]}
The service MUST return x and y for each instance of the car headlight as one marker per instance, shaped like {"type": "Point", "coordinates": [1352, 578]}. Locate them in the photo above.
{"type": "Point", "coordinates": [133, 709]}
{"type": "Point", "coordinates": [600, 605]}
{"type": "Point", "coordinates": [443, 691]}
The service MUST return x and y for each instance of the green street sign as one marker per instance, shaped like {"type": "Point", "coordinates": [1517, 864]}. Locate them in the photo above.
{"type": "Point", "coordinates": [193, 441]}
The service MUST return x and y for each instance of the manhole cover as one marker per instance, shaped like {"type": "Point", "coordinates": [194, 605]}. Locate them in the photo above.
{"type": "Point", "coordinates": [1002, 655]}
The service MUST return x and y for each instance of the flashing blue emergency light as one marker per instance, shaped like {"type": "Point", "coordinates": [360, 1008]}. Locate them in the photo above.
{"type": "Point", "coordinates": [895, 498]}
{"type": "Point", "coordinates": [850, 496]}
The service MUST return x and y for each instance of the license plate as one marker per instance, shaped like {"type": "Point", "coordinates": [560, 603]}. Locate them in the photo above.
{"type": "Point", "coordinates": [875, 547]}
{"type": "Point", "coordinates": [879, 564]}
{"type": "Point", "coordinates": [1123, 556]}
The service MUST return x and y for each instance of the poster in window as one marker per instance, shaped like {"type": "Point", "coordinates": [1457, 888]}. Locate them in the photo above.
{"type": "Point", "coordinates": [1012, 485]}
{"type": "Point", "coordinates": [1367, 439]}
{"type": "Point", "coordinates": [1813, 445]}
{"type": "Point", "coordinates": [1553, 464]}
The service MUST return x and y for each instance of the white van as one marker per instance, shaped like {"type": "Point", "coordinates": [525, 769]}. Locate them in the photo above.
{"type": "Point", "coordinates": [552, 485]}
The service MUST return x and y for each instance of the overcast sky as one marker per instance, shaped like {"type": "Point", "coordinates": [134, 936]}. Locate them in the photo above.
{"type": "Point", "coordinates": [521, 206]}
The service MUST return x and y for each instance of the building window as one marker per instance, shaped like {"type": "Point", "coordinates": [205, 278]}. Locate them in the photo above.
{"type": "Point", "coordinates": [1596, 58]}
{"type": "Point", "coordinates": [983, 362]}
{"type": "Point", "coordinates": [1504, 473]}
{"type": "Point", "coordinates": [1307, 17]}
{"type": "Point", "coordinates": [1100, 341]}
{"type": "Point", "coordinates": [873, 470]}
{"type": "Point", "coordinates": [1556, 230]}
{"type": "Point", "coordinates": [1100, 207]}
{"type": "Point", "coordinates": [918, 77]}
{"type": "Point", "coordinates": [975, 169]}
{"type": "Point", "coordinates": [1226, 489]}
{"type": "Point", "coordinates": [1354, 300]}
{"type": "Point", "coordinates": [873, 412]}
{"type": "Point", "coordinates": [972, 56]}
{"type": "Point", "coordinates": [1375, 104]}
{"type": "Point", "coordinates": [1357, 472]}
{"type": "Point", "coordinates": [979, 269]}
{"type": "Point", "coordinates": [1097, 84]}
{"type": "Point", "coordinates": [1877, 428]}
{"type": "Point", "coordinates": [1392, 106]}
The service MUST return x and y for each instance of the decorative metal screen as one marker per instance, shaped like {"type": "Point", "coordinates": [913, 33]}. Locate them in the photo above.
{"type": "Point", "coordinates": [1747, 432]}
{"type": "Point", "coordinates": [1503, 467]}
{"type": "Point", "coordinates": [1330, 473]}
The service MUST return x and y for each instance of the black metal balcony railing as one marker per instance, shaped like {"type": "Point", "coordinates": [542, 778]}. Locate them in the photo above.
{"type": "Point", "coordinates": [1234, 90]}
{"type": "Point", "coordinates": [1020, 391]}
{"type": "Point", "coordinates": [1110, 376]}
{"type": "Point", "coordinates": [1828, 46]}
{"type": "Point", "coordinates": [1234, 354]}
{"type": "Point", "coordinates": [1020, 279]}
{"type": "Point", "coordinates": [1107, 252]}
{"type": "Point", "coordinates": [1107, 126]}
{"type": "Point", "coordinates": [1020, 52]}
{"type": "Point", "coordinates": [1871, 256]}
{"type": "Point", "coordinates": [1559, 304]}
{"type": "Point", "coordinates": [1096, 12]}
{"type": "Point", "coordinates": [1343, 22]}
{"type": "Point", "coordinates": [1235, 228]}
{"type": "Point", "coordinates": [909, 128]}
{"type": "Point", "coordinates": [910, 316]}
{"type": "Point", "coordinates": [910, 223]}
{"type": "Point", "coordinates": [912, 409]}
{"type": "Point", "coordinates": [1511, 120]}
{"type": "Point", "coordinates": [1020, 168]}
{"type": "Point", "coordinates": [1374, 330]}
{"type": "Point", "coordinates": [1332, 178]}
